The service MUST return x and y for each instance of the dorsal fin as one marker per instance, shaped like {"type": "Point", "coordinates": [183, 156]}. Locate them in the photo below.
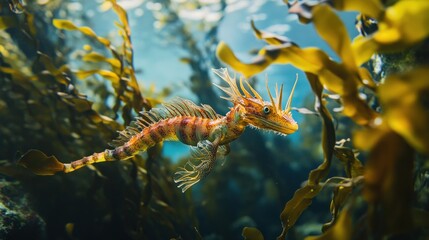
{"type": "Point", "coordinates": [178, 107]}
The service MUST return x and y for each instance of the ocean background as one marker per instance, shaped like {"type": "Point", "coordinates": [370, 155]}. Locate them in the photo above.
{"type": "Point", "coordinates": [67, 88]}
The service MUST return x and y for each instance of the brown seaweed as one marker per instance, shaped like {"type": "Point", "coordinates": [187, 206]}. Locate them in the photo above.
{"type": "Point", "coordinates": [399, 130]}
{"type": "Point", "coordinates": [43, 108]}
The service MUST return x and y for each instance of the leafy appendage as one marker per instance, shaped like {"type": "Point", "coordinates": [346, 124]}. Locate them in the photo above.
{"type": "Point", "coordinates": [203, 158]}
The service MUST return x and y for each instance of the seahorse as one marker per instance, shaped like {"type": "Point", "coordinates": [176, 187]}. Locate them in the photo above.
{"type": "Point", "coordinates": [201, 127]}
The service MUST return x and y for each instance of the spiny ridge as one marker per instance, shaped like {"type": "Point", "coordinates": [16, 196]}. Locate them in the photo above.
{"type": "Point", "coordinates": [178, 107]}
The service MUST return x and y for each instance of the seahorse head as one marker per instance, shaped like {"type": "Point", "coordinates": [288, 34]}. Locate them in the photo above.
{"type": "Point", "coordinates": [267, 115]}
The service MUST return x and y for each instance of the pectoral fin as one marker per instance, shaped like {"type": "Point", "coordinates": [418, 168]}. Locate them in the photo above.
{"type": "Point", "coordinates": [222, 152]}
{"type": "Point", "coordinates": [203, 160]}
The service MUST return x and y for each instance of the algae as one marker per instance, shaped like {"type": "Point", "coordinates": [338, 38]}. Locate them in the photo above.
{"type": "Point", "coordinates": [365, 134]}
{"type": "Point", "coordinates": [389, 129]}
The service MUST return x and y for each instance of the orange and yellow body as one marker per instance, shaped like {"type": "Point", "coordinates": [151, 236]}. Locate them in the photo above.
{"type": "Point", "coordinates": [187, 129]}
{"type": "Point", "coordinates": [181, 120]}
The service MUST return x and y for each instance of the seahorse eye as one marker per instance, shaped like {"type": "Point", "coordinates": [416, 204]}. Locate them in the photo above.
{"type": "Point", "coordinates": [266, 110]}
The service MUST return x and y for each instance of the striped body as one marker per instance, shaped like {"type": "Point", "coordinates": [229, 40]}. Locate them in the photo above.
{"type": "Point", "coordinates": [187, 129]}
{"type": "Point", "coordinates": [183, 120]}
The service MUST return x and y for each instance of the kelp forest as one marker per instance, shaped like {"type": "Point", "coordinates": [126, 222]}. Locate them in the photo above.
{"type": "Point", "coordinates": [214, 119]}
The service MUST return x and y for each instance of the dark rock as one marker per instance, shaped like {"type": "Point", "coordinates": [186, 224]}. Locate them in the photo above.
{"type": "Point", "coordinates": [17, 219]}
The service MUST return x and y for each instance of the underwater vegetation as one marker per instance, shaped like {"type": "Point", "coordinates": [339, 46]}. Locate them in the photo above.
{"type": "Point", "coordinates": [367, 130]}
{"type": "Point", "coordinates": [392, 133]}
{"type": "Point", "coordinates": [43, 109]}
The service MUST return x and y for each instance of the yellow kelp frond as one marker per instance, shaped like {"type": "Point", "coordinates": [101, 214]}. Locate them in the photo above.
{"type": "Point", "coordinates": [405, 98]}
{"type": "Point", "coordinates": [403, 25]}
{"type": "Point", "coordinates": [268, 37]}
{"type": "Point", "coordinates": [234, 91]}
{"type": "Point", "coordinates": [337, 37]}
{"type": "Point", "coordinates": [341, 78]}
{"type": "Point", "coordinates": [224, 53]}
{"type": "Point", "coordinates": [399, 26]}
{"type": "Point", "coordinates": [69, 25]}
{"type": "Point", "coordinates": [98, 57]}
{"type": "Point", "coordinates": [309, 59]}
{"type": "Point", "coordinates": [121, 74]}
{"type": "Point", "coordinates": [335, 77]}
{"type": "Point", "coordinates": [371, 8]}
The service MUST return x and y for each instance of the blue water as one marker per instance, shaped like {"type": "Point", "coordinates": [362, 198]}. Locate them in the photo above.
{"type": "Point", "coordinates": [235, 31]}
{"type": "Point", "coordinates": [157, 58]}
{"type": "Point", "coordinates": [250, 191]}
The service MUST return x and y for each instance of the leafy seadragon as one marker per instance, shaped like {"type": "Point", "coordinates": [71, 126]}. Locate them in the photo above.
{"type": "Point", "coordinates": [181, 120]}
